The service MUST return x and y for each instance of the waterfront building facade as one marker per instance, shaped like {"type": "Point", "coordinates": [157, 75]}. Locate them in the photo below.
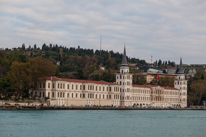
{"type": "Point", "coordinates": [121, 93]}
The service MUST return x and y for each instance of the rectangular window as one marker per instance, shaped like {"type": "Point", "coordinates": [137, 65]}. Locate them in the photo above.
{"type": "Point", "coordinates": [72, 86]}
{"type": "Point", "coordinates": [48, 85]}
{"type": "Point", "coordinates": [58, 85]}
{"type": "Point", "coordinates": [83, 95]}
{"type": "Point", "coordinates": [110, 89]}
{"type": "Point", "coordinates": [43, 94]}
{"type": "Point", "coordinates": [83, 87]}
{"type": "Point", "coordinates": [80, 87]}
{"type": "Point", "coordinates": [43, 85]}
{"type": "Point", "coordinates": [52, 94]}
{"type": "Point", "coordinates": [67, 86]}
{"type": "Point", "coordinates": [53, 85]}
{"type": "Point", "coordinates": [103, 88]}
{"type": "Point", "coordinates": [58, 94]}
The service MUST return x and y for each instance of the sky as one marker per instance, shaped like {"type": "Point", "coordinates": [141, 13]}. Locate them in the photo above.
{"type": "Point", "coordinates": [164, 29]}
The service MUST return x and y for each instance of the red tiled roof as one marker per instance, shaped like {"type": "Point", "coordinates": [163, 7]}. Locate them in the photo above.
{"type": "Point", "coordinates": [151, 86]}
{"type": "Point", "coordinates": [140, 86]}
{"type": "Point", "coordinates": [169, 88]}
{"type": "Point", "coordinates": [77, 80]}
{"type": "Point", "coordinates": [110, 83]}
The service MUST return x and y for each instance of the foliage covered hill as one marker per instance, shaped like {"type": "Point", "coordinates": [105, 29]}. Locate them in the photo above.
{"type": "Point", "coordinates": [76, 59]}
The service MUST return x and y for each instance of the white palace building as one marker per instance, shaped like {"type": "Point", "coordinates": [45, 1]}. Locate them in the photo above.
{"type": "Point", "coordinates": [121, 93]}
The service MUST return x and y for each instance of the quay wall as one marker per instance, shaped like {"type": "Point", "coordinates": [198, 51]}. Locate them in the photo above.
{"type": "Point", "coordinates": [11, 107]}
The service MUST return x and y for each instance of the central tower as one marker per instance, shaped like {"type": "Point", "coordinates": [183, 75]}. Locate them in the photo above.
{"type": "Point", "coordinates": [124, 79]}
{"type": "Point", "coordinates": [181, 84]}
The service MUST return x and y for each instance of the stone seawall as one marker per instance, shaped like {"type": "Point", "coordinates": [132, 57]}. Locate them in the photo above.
{"type": "Point", "coordinates": [8, 107]}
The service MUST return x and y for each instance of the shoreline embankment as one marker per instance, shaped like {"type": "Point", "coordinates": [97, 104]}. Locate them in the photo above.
{"type": "Point", "coordinates": [12, 107]}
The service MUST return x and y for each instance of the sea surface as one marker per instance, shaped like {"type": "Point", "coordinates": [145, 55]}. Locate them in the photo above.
{"type": "Point", "coordinates": [103, 123]}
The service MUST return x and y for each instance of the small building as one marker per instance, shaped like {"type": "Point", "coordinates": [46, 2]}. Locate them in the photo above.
{"type": "Point", "coordinates": [101, 68]}
{"type": "Point", "coordinates": [151, 69]}
{"type": "Point", "coordinates": [58, 63]}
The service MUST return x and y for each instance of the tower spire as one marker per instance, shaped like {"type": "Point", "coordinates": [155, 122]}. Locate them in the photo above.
{"type": "Point", "coordinates": [180, 67]}
{"type": "Point", "coordinates": [124, 59]}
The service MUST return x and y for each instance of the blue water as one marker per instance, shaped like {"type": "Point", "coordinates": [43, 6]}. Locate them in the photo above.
{"type": "Point", "coordinates": [103, 123]}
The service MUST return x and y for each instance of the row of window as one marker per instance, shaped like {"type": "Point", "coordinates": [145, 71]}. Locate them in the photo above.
{"type": "Point", "coordinates": [40, 95]}
{"type": "Point", "coordinates": [171, 99]}
{"type": "Point", "coordinates": [141, 98]}
{"type": "Point", "coordinates": [82, 95]}
{"type": "Point", "coordinates": [124, 83]}
{"type": "Point", "coordinates": [141, 91]}
{"type": "Point", "coordinates": [180, 83]}
{"type": "Point", "coordinates": [90, 87]}
{"type": "Point", "coordinates": [124, 77]}
{"type": "Point", "coordinates": [171, 93]}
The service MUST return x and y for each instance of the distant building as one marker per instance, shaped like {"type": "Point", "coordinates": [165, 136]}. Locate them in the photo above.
{"type": "Point", "coordinates": [150, 76]}
{"type": "Point", "coordinates": [170, 71]}
{"type": "Point", "coordinates": [151, 69]}
{"type": "Point", "coordinates": [133, 66]}
{"type": "Point", "coordinates": [58, 63]}
{"type": "Point", "coordinates": [28, 53]}
{"type": "Point", "coordinates": [101, 68]}
{"type": "Point", "coordinates": [193, 68]}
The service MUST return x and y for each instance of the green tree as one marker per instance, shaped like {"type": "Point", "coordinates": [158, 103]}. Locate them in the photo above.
{"type": "Point", "coordinates": [20, 75]}
{"type": "Point", "coordinates": [26, 75]}
{"type": "Point", "coordinates": [198, 89]}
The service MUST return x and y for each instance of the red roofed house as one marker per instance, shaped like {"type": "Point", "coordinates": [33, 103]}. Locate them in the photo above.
{"type": "Point", "coordinates": [122, 92]}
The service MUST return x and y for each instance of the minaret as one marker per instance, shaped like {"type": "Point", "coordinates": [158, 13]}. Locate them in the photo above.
{"type": "Point", "coordinates": [124, 79]}
{"type": "Point", "coordinates": [181, 84]}
{"type": "Point", "coordinates": [124, 66]}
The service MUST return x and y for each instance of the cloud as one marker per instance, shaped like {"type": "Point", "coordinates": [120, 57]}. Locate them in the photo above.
{"type": "Point", "coordinates": [164, 29]}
